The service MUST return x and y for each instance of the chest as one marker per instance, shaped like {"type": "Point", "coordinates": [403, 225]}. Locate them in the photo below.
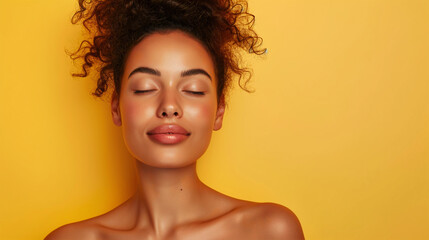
{"type": "Point", "coordinates": [216, 230]}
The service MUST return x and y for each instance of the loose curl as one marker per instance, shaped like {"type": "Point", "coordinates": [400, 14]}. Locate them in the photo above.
{"type": "Point", "coordinates": [116, 26]}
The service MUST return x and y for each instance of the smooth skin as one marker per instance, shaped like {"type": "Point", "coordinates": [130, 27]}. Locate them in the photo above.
{"type": "Point", "coordinates": [170, 201]}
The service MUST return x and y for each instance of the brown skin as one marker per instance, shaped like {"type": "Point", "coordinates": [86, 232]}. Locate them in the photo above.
{"type": "Point", "coordinates": [170, 201]}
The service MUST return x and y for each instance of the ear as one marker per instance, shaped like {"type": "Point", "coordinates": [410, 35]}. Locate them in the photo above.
{"type": "Point", "coordinates": [116, 112]}
{"type": "Point", "coordinates": [219, 115]}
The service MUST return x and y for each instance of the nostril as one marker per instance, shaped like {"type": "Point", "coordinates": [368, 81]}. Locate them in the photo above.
{"type": "Point", "coordinates": [167, 114]}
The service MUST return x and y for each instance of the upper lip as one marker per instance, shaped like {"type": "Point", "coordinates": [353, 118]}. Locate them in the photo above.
{"type": "Point", "coordinates": [169, 129]}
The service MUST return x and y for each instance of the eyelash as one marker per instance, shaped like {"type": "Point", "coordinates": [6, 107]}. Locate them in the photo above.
{"type": "Point", "coordinates": [143, 91]}
{"type": "Point", "coordinates": [195, 92]}
{"type": "Point", "coordinates": [191, 92]}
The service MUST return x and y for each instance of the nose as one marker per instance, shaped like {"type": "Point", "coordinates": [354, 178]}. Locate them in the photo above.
{"type": "Point", "coordinates": [169, 107]}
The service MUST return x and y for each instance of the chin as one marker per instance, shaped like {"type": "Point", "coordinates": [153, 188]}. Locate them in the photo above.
{"type": "Point", "coordinates": [169, 159]}
{"type": "Point", "coordinates": [168, 165]}
{"type": "Point", "coordinates": [166, 162]}
{"type": "Point", "coordinates": [168, 156]}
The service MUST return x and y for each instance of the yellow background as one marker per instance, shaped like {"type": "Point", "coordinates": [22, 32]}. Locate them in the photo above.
{"type": "Point", "coordinates": [338, 129]}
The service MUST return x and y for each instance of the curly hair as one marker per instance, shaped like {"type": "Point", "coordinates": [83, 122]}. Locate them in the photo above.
{"type": "Point", "coordinates": [116, 26]}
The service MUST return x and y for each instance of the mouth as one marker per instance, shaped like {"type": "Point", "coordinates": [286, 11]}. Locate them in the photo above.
{"type": "Point", "coordinates": [168, 134]}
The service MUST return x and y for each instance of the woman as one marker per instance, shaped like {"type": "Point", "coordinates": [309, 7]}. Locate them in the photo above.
{"type": "Point", "coordinates": [170, 63]}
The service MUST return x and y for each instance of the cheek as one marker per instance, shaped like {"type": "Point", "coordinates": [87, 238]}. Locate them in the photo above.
{"type": "Point", "coordinates": [130, 112]}
{"type": "Point", "coordinates": [203, 115]}
{"type": "Point", "coordinates": [135, 112]}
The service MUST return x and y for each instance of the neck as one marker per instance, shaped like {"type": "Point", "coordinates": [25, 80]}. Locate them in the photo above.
{"type": "Point", "coordinates": [166, 196]}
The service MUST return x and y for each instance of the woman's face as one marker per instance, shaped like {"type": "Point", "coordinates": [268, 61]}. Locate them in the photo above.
{"type": "Point", "coordinates": [168, 107]}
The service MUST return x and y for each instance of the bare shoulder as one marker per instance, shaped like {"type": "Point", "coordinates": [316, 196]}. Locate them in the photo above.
{"type": "Point", "coordinates": [281, 221]}
{"type": "Point", "coordinates": [273, 221]}
{"type": "Point", "coordinates": [93, 228]}
{"type": "Point", "coordinates": [80, 230]}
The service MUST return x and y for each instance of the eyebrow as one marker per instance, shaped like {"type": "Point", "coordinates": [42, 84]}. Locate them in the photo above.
{"type": "Point", "coordinates": [195, 71]}
{"type": "Point", "coordinates": [145, 70]}
{"type": "Point", "coordinates": [155, 72]}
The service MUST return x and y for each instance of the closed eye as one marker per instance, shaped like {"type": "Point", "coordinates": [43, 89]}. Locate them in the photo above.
{"type": "Point", "coordinates": [195, 92]}
{"type": "Point", "coordinates": [144, 91]}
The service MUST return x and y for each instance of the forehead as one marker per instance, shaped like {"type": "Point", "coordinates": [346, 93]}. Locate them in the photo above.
{"type": "Point", "coordinates": [170, 53]}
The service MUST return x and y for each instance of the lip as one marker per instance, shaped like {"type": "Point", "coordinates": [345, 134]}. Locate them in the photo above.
{"type": "Point", "coordinates": [168, 134]}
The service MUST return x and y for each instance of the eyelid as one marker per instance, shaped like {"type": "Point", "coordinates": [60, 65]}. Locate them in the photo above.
{"type": "Point", "coordinates": [143, 91]}
{"type": "Point", "coordinates": [195, 92]}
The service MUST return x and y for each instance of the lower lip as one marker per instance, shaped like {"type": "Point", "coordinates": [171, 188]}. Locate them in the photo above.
{"type": "Point", "coordinates": [168, 138]}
